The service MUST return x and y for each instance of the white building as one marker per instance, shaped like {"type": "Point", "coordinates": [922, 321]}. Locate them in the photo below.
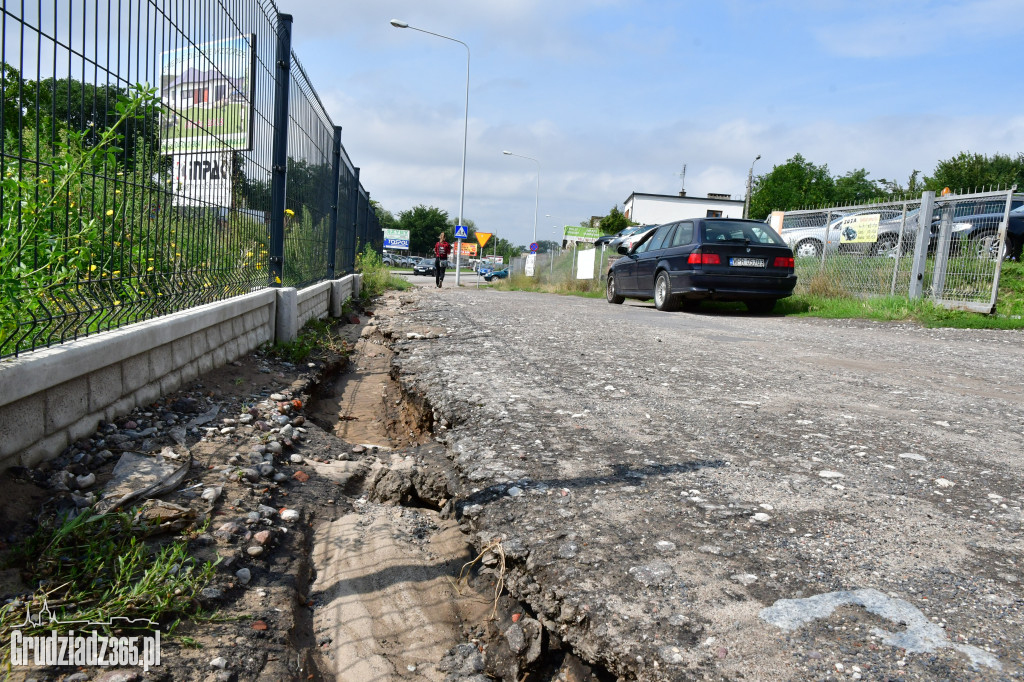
{"type": "Point", "coordinates": [654, 209]}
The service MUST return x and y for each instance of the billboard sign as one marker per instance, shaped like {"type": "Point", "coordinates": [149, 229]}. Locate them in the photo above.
{"type": "Point", "coordinates": [579, 233]}
{"type": "Point", "coordinates": [201, 180]}
{"type": "Point", "coordinates": [396, 239]}
{"type": "Point", "coordinates": [206, 96]}
{"type": "Point", "coordinates": [468, 249]}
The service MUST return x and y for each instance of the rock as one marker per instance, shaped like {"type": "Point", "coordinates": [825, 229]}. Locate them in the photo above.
{"type": "Point", "coordinates": [266, 469]}
{"type": "Point", "coordinates": [358, 449]}
{"type": "Point", "coordinates": [652, 574]}
{"type": "Point", "coordinates": [251, 475]}
{"type": "Point", "coordinates": [514, 491]}
{"type": "Point", "coordinates": [913, 456]}
{"type": "Point", "coordinates": [118, 676]}
{"type": "Point", "coordinates": [86, 481]}
{"type": "Point", "coordinates": [254, 550]}
{"type": "Point", "coordinates": [246, 419]}
{"type": "Point", "coordinates": [63, 480]}
{"type": "Point", "coordinates": [263, 537]}
{"type": "Point", "coordinates": [274, 447]}
{"type": "Point", "coordinates": [252, 517]}
{"type": "Point", "coordinates": [219, 662]}
{"type": "Point", "coordinates": [266, 512]}
{"type": "Point", "coordinates": [744, 578]}
{"type": "Point", "coordinates": [212, 493]}
{"type": "Point", "coordinates": [77, 677]}
{"type": "Point", "coordinates": [278, 477]}
{"type": "Point", "coordinates": [287, 430]}
{"type": "Point", "coordinates": [665, 546]}
{"type": "Point", "coordinates": [211, 593]}
{"type": "Point", "coordinates": [944, 483]}
{"type": "Point", "coordinates": [761, 517]}
{"type": "Point", "coordinates": [300, 476]}
{"type": "Point", "coordinates": [516, 639]}
{"type": "Point", "coordinates": [228, 529]}
{"type": "Point", "coordinates": [278, 397]}
{"type": "Point", "coordinates": [289, 515]}
{"type": "Point", "coordinates": [297, 459]}
{"type": "Point", "coordinates": [244, 575]}
{"type": "Point", "coordinates": [830, 474]}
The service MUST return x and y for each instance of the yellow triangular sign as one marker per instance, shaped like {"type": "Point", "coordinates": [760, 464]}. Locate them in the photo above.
{"type": "Point", "coordinates": [482, 238]}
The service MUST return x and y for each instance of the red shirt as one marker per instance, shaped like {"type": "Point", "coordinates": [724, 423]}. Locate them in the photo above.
{"type": "Point", "coordinates": [442, 249]}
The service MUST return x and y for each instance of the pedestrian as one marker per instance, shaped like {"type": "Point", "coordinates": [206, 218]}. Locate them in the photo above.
{"type": "Point", "coordinates": [441, 251]}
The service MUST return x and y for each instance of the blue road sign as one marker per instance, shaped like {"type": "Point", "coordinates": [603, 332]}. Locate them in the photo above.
{"type": "Point", "coordinates": [461, 232]}
{"type": "Point", "coordinates": [533, 247]}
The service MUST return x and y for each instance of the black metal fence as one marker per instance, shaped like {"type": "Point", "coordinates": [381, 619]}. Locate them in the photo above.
{"type": "Point", "coordinates": [159, 155]}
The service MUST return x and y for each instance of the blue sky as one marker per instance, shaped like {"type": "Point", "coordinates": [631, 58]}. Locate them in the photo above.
{"type": "Point", "coordinates": [614, 97]}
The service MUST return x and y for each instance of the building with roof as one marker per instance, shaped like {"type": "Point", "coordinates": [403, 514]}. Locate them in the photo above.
{"type": "Point", "coordinates": [654, 209]}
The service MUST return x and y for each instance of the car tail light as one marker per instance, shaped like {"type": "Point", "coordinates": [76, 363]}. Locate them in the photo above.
{"type": "Point", "coordinates": [698, 258]}
{"type": "Point", "coordinates": [784, 262]}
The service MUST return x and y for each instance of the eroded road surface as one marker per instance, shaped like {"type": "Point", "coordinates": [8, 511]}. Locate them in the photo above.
{"type": "Point", "coordinates": [724, 496]}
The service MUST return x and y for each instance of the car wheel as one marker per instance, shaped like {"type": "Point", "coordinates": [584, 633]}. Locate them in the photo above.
{"type": "Point", "coordinates": [886, 247]}
{"type": "Point", "coordinates": [663, 298]}
{"type": "Point", "coordinates": [987, 247]}
{"type": "Point", "coordinates": [609, 291]}
{"type": "Point", "coordinates": [808, 248]}
{"type": "Point", "coordinates": [760, 306]}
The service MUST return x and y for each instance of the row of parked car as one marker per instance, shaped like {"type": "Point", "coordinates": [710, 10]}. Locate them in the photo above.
{"type": "Point", "coordinates": [974, 231]}
{"type": "Point", "coordinates": [396, 261]}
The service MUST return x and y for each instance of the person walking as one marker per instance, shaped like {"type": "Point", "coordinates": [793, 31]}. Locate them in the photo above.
{"type": "Point", "coordinates": [442, 249]}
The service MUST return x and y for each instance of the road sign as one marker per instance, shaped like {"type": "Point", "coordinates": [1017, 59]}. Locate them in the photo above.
{"type": "Point", "coordinates": [461, 232]}
{"type": "Point", "coordinates": [533, 247]}
{"type": "Point", "coordinates": [483, 237]}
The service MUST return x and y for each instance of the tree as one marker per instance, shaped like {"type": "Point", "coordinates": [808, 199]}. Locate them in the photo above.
{"type": "Point", "coordinates": [385, 218]}
{"type": "Point", "coordinates": [614, 221]}
{"type": "Point", "coordinates": [798, 183]}
{"type": "Point", "coordinates": [424, 224]}
{"type": "Point", "coordinates": [855, 188]}
{"type": "Point", "coordinates": [967, 171]}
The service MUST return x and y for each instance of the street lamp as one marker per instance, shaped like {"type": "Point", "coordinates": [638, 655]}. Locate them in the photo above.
{"type": "Point", "coordinates": [750, 181]}
{"type": "Point", "coordinates": [465, 134]}
{"type": "Point", "coordinates": [536, 204]}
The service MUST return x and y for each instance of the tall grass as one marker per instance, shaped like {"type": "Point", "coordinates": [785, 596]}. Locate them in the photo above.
{"type": "Point", "coordinates": [377, 277]}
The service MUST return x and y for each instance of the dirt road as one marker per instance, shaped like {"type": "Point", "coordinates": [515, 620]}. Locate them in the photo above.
{"type": "Point", "coordinates": [717, 496]}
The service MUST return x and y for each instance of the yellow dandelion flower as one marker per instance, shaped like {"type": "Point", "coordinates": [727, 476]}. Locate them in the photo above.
{"type": "Point", "coordinates": [117, 303]}
{"type": "Point", "coordinates": [115, 273]}
{"type": "Point", "coordinates": [277, 279]}
{"type": "Point", "coordinates": [110, 211]}
{"type": "Point", "coordinates": [288, 212]}
{"type": "Point", "coordinates": [92, 268]}
{"type": "Point", "coordinates": [150, 268]}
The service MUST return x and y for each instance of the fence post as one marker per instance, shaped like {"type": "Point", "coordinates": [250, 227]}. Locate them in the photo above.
{"type": "Point", "coordinates": [279, 151]}
{"type": "Point", "coordinates": [332, 238]}
{"type": "Point", "coordinates": [826, 239]}
{"type": "Point", "coordinates": [366, 221]}
{"type": "Point", "coordinates": [941, 254]}
{"type": "Point", "coordinates": [924, 229]}
{"type": "Point", "coordinates": [355, 219]}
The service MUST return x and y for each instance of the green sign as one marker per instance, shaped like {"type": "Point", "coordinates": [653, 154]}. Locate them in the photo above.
{"type": "Point", "coordinates": [581, 232]}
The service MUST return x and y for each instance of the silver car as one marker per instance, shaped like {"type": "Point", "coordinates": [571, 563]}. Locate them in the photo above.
{"type": "Point", "coordinates": [808, 237]}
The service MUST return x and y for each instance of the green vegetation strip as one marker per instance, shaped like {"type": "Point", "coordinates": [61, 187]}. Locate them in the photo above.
{"type": "Point", "coordinates": [94, 568]}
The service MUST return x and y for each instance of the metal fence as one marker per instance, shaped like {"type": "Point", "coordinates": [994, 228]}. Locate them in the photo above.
{"type": "Point", "coordinates": [220, 174]}
{"type": "Point", "coordinates": [949, 249]}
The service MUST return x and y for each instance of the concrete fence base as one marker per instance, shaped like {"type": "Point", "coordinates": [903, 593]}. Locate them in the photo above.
{"type": "Point", "coordinates": [52, 397]}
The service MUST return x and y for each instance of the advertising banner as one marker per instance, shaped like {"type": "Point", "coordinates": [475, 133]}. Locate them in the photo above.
{"type": "Point", "coordinates": [396, 239]}
{"type": "Point", "coordinates": [468, 249]}
{"type": "Point", "coordinates": [202, 180]}
{"type": "Point", "coordinates": [860, 229]}
{"type": "Point", "coordinates": [206, 96]}
{"type": "Point", "coordinates": [579, 233]}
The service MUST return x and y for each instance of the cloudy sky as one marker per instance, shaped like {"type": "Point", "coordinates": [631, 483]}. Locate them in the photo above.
{"type": "Point", "coordinates": [614, 96]}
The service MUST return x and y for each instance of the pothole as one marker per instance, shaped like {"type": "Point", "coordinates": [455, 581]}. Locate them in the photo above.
{"type": "Point", "coordinates": [385, 602]}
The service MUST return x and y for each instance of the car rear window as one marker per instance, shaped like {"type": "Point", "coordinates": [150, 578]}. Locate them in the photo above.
{"type": "Point", "coordinates": [728, 231]}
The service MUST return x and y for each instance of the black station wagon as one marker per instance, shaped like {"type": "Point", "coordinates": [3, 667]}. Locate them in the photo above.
{"type": "Point", "coordinates": [721, 259]}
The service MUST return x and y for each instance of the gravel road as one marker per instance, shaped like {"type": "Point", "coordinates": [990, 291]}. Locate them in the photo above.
{"type": "Point", "coordinates": [724, 496]}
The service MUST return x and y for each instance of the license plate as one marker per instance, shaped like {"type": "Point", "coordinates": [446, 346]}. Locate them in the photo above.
{"type": "Point", "coordinates": [747, 262]}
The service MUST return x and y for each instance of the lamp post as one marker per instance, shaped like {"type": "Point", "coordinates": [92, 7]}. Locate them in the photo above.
{"type": "Point", "coordinates": [750, 181]}
{"type": "Point", "coordinates": [465, 135]}
{"type": "Point", "coordinates": [554, 239]}
{"type": "Point", "coordinates": [536, 204]}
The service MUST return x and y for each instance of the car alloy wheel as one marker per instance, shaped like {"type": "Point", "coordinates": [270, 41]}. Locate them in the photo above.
{"type": "Point", "coordinates": [610, 293]}
{"type": "Point", "coordinates": [663, 298]}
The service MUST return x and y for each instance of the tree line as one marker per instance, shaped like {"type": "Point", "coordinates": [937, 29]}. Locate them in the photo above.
{"type": "Point", "coordinates": [799, 183]}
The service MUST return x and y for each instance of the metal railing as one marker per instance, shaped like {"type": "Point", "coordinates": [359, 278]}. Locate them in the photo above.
{"type": "Point", "coordinates": [157, 156]}
{"type": "Point", "coordinates": [949, 249]}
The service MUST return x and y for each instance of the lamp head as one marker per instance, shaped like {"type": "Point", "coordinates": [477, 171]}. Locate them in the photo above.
{"type": "Point", "coordinates": [399, 24]}
{"type": "Point", "coordinates": [507, 153]}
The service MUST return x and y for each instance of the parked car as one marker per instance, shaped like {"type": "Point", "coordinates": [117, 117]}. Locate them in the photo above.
{"type": "Point", "coordinates": [979, 234]}
{"type": "Point", "coordinates": [607, 239]}
{"type": "Point", "coordinates": [496, 274]}
{"type": "Point", "coordinates": [425, 266]}
{"type": "Point", "coordinates": [633, 236]}
{"type": "Point", "coordinates": [720, 259]}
